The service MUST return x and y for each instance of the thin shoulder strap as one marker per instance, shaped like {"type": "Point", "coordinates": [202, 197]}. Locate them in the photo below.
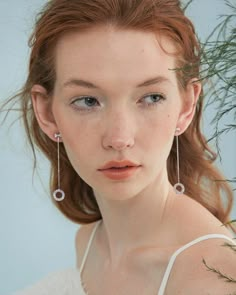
{"type": "Point", "coordinates": [180, 250]}
{"type": "Point", "coordinates": [88, 246]}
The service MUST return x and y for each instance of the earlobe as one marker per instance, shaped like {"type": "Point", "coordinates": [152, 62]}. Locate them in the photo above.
{"type": "Point", "coordinates": [190, 100]}
{"type": "Point", "coordinates": [42, 109]}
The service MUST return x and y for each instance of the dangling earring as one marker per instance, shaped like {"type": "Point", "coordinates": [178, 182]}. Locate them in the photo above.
{"type": "Point", "coordinates": [58, 194]}
{"type": "Point", "coordinates": [178, 187]}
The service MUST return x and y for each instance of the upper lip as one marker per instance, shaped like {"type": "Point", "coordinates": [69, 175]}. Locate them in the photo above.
{"type": "Point", "coordinates": [119, 164]}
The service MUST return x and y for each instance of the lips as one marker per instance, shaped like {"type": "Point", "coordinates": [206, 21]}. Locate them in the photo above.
{"type": "Point", "coordinates": [120, 173]}
{"type": "Point", "coordinates": [118, 165]}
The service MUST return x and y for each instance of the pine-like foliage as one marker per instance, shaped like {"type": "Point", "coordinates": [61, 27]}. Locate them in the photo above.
{"type": "Point", "coordinates": [219, 66]}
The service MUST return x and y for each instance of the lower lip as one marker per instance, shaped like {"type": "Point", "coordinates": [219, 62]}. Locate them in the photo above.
{"type": "Point", "coordinates": [118, 174]}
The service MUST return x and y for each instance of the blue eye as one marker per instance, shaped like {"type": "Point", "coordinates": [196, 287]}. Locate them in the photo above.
{"type": "Point", "coordinates": [154, 98]}
{"type": "Point", "coordinates": [89, 103]}
{"type": "Point", "coordinates": [85, 103]}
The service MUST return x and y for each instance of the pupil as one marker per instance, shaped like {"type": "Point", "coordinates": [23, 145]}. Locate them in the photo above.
{"type": "Point", "coordinates": [90, 100]}
{"type": "Point", "coordinates": [155, 97]}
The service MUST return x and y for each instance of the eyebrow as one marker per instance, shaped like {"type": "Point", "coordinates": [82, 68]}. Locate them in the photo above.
{"type": "Point", "coordinates": [87, 84]}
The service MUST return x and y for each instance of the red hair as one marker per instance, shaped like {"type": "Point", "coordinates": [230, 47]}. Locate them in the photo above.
{"type": "Point", "coordinates": [165, 17]}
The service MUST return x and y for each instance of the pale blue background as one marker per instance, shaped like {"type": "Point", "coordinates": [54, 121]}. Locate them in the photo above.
{"type": "Point", "coordinates": [35, 237]}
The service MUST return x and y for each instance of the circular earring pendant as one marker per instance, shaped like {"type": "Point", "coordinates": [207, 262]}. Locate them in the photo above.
{"type": "Point", "coordinates": [58, 195]}
{"type": "Point", "coordinates": [179, 188]}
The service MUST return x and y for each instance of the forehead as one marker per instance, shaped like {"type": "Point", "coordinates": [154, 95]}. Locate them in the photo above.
{"type": "Point", "coordinates": [106, 53]}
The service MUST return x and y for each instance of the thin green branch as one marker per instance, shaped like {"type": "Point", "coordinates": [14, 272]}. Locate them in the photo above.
{"type": "Point", "coordinates": [187, 5]}
{"type": "Point", "coordinates": [231, 247]}
{"type": "Point", "coordinates": [218, 68]}
{"type": "Point", "coordinates": [218, 133]}
{"type": "Point", "coordinates": [225, 277]}
{"type": "Point", "coordinates": [231, 221]}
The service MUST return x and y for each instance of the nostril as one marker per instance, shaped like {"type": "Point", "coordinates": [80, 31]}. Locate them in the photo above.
{"type": "Point", "coordinates": [117, 144]}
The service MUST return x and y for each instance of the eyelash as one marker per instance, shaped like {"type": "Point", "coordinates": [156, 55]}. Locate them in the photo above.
{"type": "Point", "coordinates": [153, 104]}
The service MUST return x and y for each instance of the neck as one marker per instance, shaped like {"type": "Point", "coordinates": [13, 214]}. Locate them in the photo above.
{"type": "Point", "coordinates": [137, 222]}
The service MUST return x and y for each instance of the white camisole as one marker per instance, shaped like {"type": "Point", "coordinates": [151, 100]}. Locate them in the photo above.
{"type": "Point", "coordinates": [69, 282]}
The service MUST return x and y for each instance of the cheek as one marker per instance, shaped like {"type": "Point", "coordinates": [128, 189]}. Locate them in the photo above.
{"type": "Point", "coordinates": [80, 153]}
{"type": "Point", "coordinates": [79, 142]}
{"type": "Point", "coordinates": [77, 135]}
{"type": "Point", "coordinates": [158, 140]}
{"type": "Point", "coordinates": [158, 131]}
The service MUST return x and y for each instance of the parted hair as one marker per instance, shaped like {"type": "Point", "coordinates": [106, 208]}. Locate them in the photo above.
{"type": "Point", "coordinates": [163, 17]}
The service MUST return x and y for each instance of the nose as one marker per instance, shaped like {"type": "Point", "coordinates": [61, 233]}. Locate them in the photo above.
{"type": "Point", "coordinates": [119, 132]}
{"type": "Point", "coordinates": [118, 144]}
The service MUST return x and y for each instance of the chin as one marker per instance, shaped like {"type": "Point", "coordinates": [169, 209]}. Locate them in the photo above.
{"type": "Point", "coordinates": [120, 193]}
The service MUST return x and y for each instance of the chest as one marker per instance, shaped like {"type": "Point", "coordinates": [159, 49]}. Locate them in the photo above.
{"type": "Point", "coordinates": [122, 283]}
{"type": "Point", "coordinates": [100, 279]}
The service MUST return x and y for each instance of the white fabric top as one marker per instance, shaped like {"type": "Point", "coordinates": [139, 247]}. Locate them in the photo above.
{"type": "Point", "coordinates": [65, 282]}
{"type": "Point", "coordinates": [68, 282]}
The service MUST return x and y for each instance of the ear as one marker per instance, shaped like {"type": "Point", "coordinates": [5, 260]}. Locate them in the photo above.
{"type": "Point", "coordinates": [190, 98]}
{"type": "Point", "coordinates": [43, 111]}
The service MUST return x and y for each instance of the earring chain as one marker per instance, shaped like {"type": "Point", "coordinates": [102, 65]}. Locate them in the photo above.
{"type": "Point", "coordinates": [177, 150]}
{"type": "Point", "coordinates": [58, 160]}
{"type": "Point", "coordinates": [58, 191]}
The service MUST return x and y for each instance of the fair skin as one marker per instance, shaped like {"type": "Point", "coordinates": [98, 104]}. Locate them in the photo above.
{"type": "Point", "coordinates": [141, 214]}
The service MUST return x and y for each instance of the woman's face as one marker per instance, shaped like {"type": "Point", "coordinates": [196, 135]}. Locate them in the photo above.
{"type": "Point", "coordinates": [116, 97]}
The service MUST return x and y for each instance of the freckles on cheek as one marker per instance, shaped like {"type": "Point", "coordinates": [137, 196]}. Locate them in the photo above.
{"type": "Point", "coordinates": [82, 139]}
{"type": "Point", "coordinates": [78, 151]}
{"type": "Point", "coordinates": [159, 131]}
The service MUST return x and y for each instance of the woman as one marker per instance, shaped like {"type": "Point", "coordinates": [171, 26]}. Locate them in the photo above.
{"type": "Point", "coordinates": [113, 99]}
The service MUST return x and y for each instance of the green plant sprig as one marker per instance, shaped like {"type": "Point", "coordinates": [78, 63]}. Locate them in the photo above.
{"type": "Point", "coordinates": [219, 64]}
{"type": "Point", "coordinates": [225, 277]}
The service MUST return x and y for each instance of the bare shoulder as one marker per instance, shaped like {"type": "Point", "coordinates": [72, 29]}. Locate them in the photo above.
{"type": "Point", "coordinates": [81, 241]}
{"type": "Point", "coordinates": [208, 264]}
{"type": "Point", "coordinates": [196, 220]}
{"type": "Point", "coordinates": [214, 269]}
